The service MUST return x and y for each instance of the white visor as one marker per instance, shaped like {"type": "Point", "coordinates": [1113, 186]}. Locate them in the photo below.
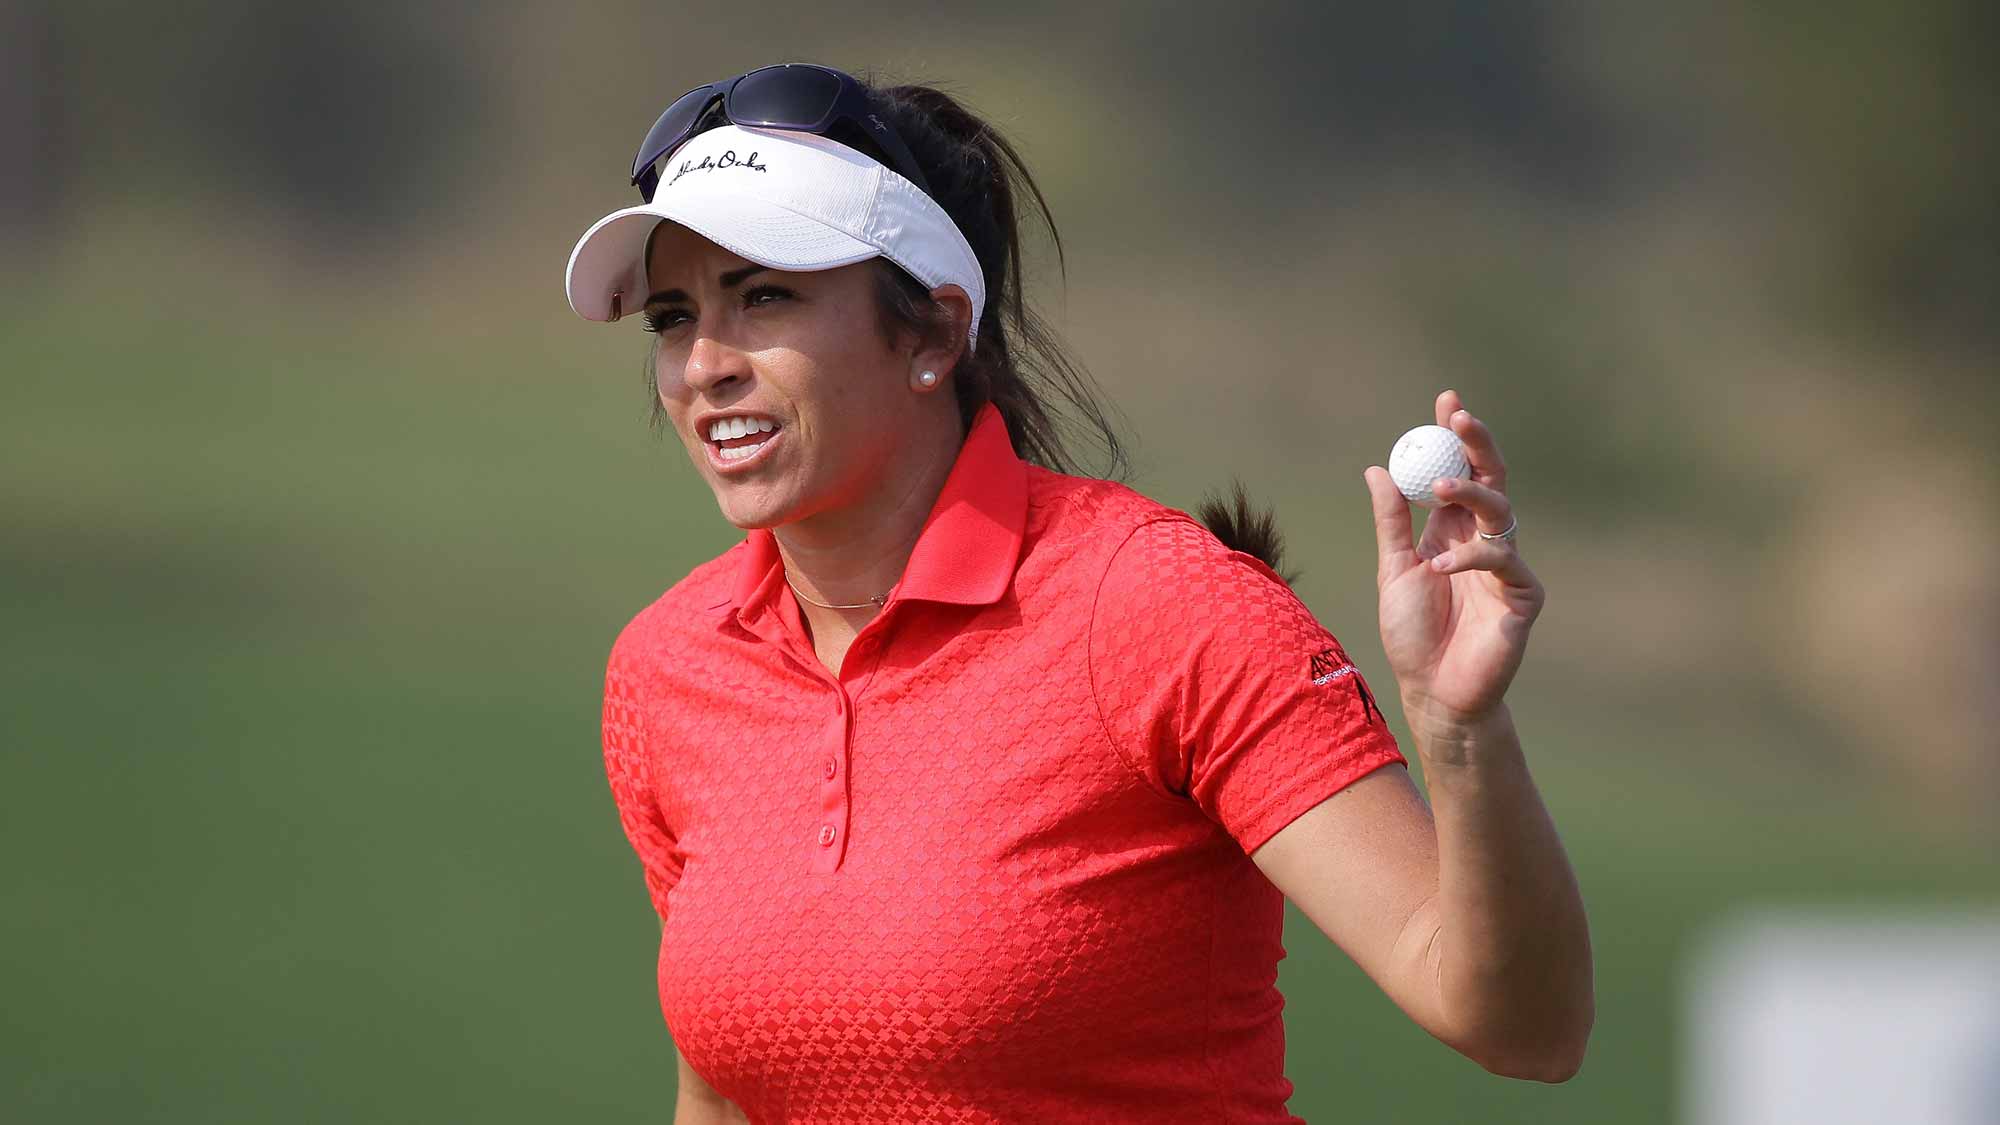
{"type": "Point", "coordinates": [784, 200]}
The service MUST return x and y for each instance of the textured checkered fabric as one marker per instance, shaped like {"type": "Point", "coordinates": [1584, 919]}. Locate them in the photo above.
{"type": "Point", "coordinates": [997, 868]}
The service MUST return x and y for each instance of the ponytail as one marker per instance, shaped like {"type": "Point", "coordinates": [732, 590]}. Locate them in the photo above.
{"type": "Point", "coordinates": [1242, 526]}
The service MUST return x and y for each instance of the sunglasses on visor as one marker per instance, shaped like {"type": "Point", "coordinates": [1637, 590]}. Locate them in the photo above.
{"type": "Point", "coordinates": [799, 97]}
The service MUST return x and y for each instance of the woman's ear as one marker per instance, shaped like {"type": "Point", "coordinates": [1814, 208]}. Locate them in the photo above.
{"type": "Point", "coordinates": [946, 344]}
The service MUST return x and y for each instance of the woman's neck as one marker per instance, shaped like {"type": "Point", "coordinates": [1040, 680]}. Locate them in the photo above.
{"type": "Point", "coordinates": [851, 554]}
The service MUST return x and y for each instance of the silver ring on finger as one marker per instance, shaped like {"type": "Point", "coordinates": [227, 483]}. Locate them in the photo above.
{"type": "Point", "coordinates": [1512, 526]}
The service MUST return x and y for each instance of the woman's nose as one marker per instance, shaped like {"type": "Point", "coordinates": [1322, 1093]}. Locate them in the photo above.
{"type": "Point", "coordinates": [712, 363]}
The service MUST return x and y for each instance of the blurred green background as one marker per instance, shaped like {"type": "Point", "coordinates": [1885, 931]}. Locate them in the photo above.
{"type": "Point", "coordinates": [319, 509]}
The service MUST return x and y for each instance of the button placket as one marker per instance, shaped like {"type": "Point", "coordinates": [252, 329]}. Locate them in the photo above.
{"type": "Point", "coordinates": [827, 840]}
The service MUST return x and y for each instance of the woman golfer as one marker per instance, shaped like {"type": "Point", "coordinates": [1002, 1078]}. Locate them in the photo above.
{"type": "Point", "coordinates": [970, 790]}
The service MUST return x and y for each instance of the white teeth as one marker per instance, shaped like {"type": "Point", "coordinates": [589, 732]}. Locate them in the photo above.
{"type": "Point", "coordinates": [739, 452]}
{"type": "Point", "coordinates": [722, 429]}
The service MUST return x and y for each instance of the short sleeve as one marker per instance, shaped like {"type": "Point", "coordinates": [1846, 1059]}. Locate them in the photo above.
{"type": "Point", "coordinates": [629, 769]}
{"type": "Point", "coordinates": [1220, 686]}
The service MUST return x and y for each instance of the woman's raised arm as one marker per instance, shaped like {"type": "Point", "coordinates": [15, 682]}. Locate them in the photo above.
{"type": "Point", "coordinates": [1468, 916]}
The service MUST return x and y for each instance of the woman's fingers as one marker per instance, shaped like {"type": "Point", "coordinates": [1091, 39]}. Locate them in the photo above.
{"type": "Point", "coordinates": [1489, 507]}
{"type": "Point", "coordinates": [1483, 497]}
{"type": "Point", "coordinates": [1488, 467]}
{"type": "Point", "coordinates": [1392, 524]}
{"type": "Point", "coordinates": [1448, 403]}
{"type": "Point", "coordinates": [1496, 556]}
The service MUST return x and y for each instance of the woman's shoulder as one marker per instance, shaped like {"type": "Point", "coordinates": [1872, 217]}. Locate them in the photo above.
{"type": "Point", "coordinates": [1072, 509]}
{"type": "Point", "coordinates": [687, 604]}
{"type": "Point", "coordinates": [1130, 540]}
{"type": "Point", "coordinates": [1101, 533]}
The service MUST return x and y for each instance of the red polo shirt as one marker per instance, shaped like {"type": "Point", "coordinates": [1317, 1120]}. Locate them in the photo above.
{"type": "Point", "coordinates": [997, 869]}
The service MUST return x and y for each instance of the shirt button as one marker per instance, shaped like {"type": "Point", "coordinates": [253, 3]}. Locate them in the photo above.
{"type": "Point", "coordinates": [826, 835]}
{"type": "Point", "coordinates": [832, 767]}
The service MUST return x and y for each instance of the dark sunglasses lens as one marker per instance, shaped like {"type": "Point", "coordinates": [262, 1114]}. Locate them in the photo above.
{"type": "Point", "coordinates": [672, 125]}
{"type": "Point", "coordinates": [784, 97]}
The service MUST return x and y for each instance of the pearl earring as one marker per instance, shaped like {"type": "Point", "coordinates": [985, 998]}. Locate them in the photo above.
{"type": "Point", "coordinates": [928, 378]}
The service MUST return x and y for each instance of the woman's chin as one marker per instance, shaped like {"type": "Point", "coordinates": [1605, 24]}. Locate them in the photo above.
{"type": "Point", "coordinates": [749, 512]}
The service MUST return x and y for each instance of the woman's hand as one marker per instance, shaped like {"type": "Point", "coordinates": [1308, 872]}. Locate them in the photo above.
{"type": "Point", "coordinates": [1455, 608]}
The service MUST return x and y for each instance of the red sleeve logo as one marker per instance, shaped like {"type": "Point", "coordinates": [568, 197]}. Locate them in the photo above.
{"type": "Point", "coordinates": [1332, 664]}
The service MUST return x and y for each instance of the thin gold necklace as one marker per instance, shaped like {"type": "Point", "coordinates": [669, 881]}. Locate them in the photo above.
{"type": "Point", "coordinates": [876, 602]}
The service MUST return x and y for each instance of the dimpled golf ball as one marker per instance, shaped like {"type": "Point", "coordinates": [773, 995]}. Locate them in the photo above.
{"type": "Point", "coordinates": [1422, 456]}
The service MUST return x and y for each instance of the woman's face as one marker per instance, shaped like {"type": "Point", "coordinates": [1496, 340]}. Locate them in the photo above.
{"type": "Point", "coordinates": [799, 359]}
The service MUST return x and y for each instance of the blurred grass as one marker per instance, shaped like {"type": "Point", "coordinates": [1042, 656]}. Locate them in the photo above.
{"type": "Point", "coordinates": [304, 639]}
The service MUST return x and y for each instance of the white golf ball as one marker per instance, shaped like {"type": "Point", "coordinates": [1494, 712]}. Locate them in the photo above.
{"type": "Point", "coordinates": [1422, 456]}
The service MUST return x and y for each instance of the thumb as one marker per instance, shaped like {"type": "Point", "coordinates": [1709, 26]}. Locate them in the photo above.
{"type": "Point", "coordinates": [1393, 553]}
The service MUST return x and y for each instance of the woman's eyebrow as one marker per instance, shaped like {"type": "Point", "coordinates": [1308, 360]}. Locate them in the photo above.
{"type": "Point", "coordinates": [730, 280]}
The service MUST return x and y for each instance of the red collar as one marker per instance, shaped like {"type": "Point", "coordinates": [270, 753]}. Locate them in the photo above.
{"type": "Point", "coordinates": [970, 543]}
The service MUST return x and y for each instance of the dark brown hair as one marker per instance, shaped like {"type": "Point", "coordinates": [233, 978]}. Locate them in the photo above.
{"type": "Point", "coordinates": [1018, 364]}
